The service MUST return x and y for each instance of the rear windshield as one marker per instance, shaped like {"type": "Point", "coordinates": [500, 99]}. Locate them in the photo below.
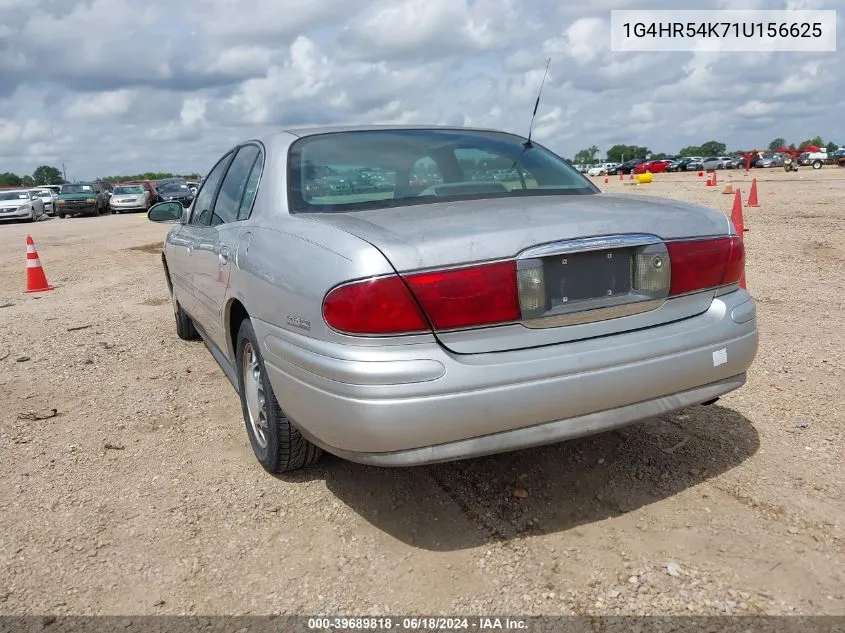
{"type": "Point", "coordinates": [374, 169]}
{"type": "Point", "coordinates": [77, 189]}
{"type": "Point", "coordinates": [14, 195]}
{"type": "Point", "coordinates": [128, 189]}
{"type": "Point", "coordinates": [173, 186]}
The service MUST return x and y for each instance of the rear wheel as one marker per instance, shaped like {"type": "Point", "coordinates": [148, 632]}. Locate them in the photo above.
{"type": "Point", "coordinates": [277, 444]}
{"type": "Point", "coordinates": [817, 164]}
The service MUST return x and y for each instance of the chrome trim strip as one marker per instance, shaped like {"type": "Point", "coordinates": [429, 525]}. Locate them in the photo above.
{"type": "Point", "coordinates": [591, 316]}
{"type": "Point", "coordinates": [589, 244]}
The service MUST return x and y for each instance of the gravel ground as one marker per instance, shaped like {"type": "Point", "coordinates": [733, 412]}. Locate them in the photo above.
{"type": "Point", "coordinates": [141, 495]}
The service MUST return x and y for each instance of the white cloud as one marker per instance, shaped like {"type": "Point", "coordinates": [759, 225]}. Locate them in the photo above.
{"type": "Point", "coordinates": [101, 105]}
{"type": "Point", "coordinates": [186, 80]}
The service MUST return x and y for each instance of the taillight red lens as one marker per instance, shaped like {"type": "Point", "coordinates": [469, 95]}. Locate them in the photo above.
{"type": "Point", "coordinates": [736, 262]}
{"type": "Point", "coordinates": [466, 297]}
{"type": "Point", "coordinates": [702, 264]}
{"type": "Point", "coordinates": [373, 306]}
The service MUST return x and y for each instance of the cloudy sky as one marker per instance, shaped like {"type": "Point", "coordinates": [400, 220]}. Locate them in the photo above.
{"type": "Point", "coordinates": [124, 86]}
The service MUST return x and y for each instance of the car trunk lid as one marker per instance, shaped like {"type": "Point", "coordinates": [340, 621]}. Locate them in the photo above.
{"type": "Point", "coordinates": [583, 247]}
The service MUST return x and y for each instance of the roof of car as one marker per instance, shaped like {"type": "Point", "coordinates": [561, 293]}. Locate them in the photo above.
{"type": "Point", "coordinates": [324, 129]}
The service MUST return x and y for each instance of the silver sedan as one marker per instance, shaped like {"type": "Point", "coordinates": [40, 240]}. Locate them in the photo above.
{"type": "Point", "coordinates": [376, 292]}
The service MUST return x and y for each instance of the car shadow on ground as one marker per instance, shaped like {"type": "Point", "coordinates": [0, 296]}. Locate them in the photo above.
{"type": "Point", "coordinates": [464, 504]}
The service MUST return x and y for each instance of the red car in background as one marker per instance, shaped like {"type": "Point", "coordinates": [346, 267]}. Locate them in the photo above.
{"type": "Point", "coordinates": [654, 166]}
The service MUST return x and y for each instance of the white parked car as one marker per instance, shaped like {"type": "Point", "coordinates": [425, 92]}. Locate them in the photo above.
{"type": "Point", "coordinates": [48, 197]}
{"type": "Point", "coordinates": [601, 170]}
{"type": "Point", "coordinates": [129, 198]}
{"type": "Point", "coordinates": [20, 204]}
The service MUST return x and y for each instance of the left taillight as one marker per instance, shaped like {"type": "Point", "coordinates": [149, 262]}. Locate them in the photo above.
{"type": "Point", "coordinates": [380, 306]}
{"type": "Point", "coordinates": [471, 296]}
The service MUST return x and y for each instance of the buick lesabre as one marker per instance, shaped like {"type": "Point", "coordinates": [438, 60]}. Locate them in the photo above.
{"type": "Point", "coordinates": [401, 295]}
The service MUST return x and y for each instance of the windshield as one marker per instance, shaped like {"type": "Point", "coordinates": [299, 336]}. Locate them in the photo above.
{"type": "Point", "coordinates": [374, 169]}
{"type": "Point", "coordinates": [128, 190]}
{"type": "Point", "coordinates": [77, 189]}
{"type": "Point", "coordinates": [171, 187]}
{"type": "Point", "coordinates": [14, 195]}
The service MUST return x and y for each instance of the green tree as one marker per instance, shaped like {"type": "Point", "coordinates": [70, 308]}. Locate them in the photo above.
{"type": "Point", "coordinates": [583, 157]}
{"type": "Point", "coordinates": [621, 153]}
{"type": "Point", "coordinates": [777, 144]}
{"type": "Point", "coordinates": [27, 181]}
{"type": "Point", "coordinates": [48, 175]}
{"type": "Point", "coordinates": [831, 147]}
{"type": "Point", "coordinates": [691, 150]}
{"type": "Point", "coordinates": [817, 141]}
{"type": "Point", "coordinates": [8, 179]}
{"type": "Point", "coordinates": [713, 148]}
{"type": "Point", "coordinates": [593, 151]}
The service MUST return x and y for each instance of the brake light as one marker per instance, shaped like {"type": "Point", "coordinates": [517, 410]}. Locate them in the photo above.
{"type": "Point", "coordinates": [373, 306]}
{"type": "Point", "coordinates": [735, 269]}
{"type": "Point", "coordinates": [466, 297]}
{"type": "Point", "coordinates": [460, 297]}
{"type": "Point", "coordinates": [703, 264]}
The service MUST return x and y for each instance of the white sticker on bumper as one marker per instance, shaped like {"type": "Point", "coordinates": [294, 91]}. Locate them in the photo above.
{"type": "Point", "coordinates": [720, 357]}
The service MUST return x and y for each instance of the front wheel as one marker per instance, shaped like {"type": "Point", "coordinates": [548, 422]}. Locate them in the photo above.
{"type": "Point", "coordinates": [817, 164]}
{"type": "Point", "coordinates": [185, 329]}
{"type": "Point", "coordinates": [277, 444]}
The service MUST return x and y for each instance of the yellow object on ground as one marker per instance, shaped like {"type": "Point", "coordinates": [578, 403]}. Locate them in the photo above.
{"type": "Point", "coordinates": [645, 178]}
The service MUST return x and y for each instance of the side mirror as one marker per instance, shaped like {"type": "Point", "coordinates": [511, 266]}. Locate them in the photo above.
{"type": "Point", "coordinates": [166, 212]}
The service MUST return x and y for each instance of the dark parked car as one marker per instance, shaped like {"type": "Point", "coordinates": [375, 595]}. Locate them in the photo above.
{"type": "Point", "coordinates": [175, 191]}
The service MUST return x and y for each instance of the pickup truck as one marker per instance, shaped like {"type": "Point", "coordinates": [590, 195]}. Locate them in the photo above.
{"type": "Point", "coordinates": [83, 198]}
{"type": "Point", "coordinates": [839, 157]}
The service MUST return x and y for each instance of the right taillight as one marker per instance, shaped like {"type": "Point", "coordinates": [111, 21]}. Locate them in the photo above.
{"type": "Point", "coordinates": [704, 264]}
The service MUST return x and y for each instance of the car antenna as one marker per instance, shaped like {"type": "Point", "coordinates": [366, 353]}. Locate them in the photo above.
{"type": "Point", "coordinates": [527, 143]}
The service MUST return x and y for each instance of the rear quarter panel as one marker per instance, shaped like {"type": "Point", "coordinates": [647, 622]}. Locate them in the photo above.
{"type": "Point", "coordinates": [283, 272]}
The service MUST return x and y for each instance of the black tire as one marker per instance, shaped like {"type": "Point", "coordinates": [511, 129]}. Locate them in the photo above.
{"type": "Point", "coordinates": [61, 216]}
{"type": "Point", "coordinates": [185, 329]}
{"type": "Point", "coordinates": [817, 164]}
{"type": "Point", "coordinates": [286, 449]}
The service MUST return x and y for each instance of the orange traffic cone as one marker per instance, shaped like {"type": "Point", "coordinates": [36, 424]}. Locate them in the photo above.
{"type": "Point", "coordinates": [752, 197]}
{"type": "Point", "coordinates": [605, 180]}
{"type": "Point", "coordinates": [709, 181]}
{"type": "Point", "coordinates": [621, 175]}
{"type": "Point", "coordinates": [715, 179]}
{"type": "Point", "coordinates": [701, 174]}
{"type": "Point", "coordinates": [36, 280]}
{"type": "Point", "coordinates": [736, 214]}
{"type": "Point", "coordinates": [736, 218]}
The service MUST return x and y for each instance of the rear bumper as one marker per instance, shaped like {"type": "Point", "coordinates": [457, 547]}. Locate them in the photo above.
{"type": "Point", "coordinates": [413, 404]}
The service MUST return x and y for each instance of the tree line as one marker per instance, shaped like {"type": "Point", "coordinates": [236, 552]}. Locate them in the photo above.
{"type": "Point", "coordinates": [49, 175]}
{"type": "Point", "coordinates": [621, 153]}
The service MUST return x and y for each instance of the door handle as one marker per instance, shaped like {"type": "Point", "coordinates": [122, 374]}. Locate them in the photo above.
{"type": "Point", "coordinates": [223, 254]}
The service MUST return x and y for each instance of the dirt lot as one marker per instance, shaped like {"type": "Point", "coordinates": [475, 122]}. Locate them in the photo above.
{"type": "Point", "coordinates": [142, 496]}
